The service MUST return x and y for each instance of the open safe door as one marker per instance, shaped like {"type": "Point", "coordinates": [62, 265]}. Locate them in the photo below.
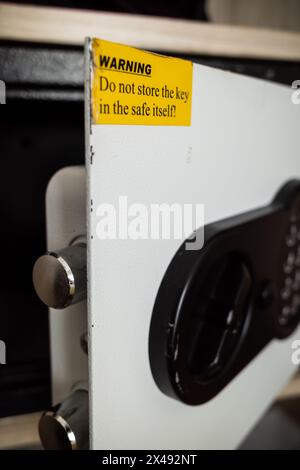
{"type": "Point", "coordinates": [188, 217]}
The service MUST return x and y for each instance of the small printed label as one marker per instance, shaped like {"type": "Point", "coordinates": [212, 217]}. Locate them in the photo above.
{"type": "Point", "coordinates": [133, 87]}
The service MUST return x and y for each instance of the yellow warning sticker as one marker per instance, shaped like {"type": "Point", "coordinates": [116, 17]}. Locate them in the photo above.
{"type": "Point", "coordinates": [130, 86]}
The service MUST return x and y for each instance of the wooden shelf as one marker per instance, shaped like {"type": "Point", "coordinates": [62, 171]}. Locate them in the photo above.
{"type": "Point", "coordinates": [292, 389]}
{"type": "Point", "coordinates": [19, 431]}
{"type": "Point", "coordinates": [69, 26]}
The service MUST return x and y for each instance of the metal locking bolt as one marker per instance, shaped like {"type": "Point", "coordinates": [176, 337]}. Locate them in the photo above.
{"type": "Point", "coordinates": [59, 278]}
{"type": "Point", "coordinates": [66, 426]}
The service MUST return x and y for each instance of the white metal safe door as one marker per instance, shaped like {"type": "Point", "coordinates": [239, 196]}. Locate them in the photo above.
{"type": "Point", "coordinates": [65, 206]}
{"type": "Point", "coordinates": [242, 145]}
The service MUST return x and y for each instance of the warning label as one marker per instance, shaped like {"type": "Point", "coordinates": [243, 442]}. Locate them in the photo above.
{"type": "Point", "coordinates": [130, 86]}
